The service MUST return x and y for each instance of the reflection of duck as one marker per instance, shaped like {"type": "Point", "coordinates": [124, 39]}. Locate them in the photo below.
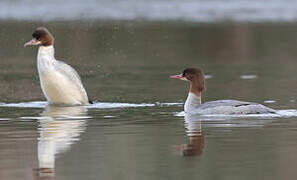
{"type": "Point", "coordinates": [60, 128]}
{"type": "Point", "coordinates": [193, 103]}
{"type": "Point", "coordinates": [196, 139]}
{"type": "Point", "coordinates": [59, 82]}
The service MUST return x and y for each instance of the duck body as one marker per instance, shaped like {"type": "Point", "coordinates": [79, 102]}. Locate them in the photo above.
{"type": "Point", "coordinates": [193, 105]}
{"type": "Point", "coordinates": [230, 107]}
{"type": "Point", "coordinates": [59, 82]}
{"type": "Point", "coordinates": [227, 107]}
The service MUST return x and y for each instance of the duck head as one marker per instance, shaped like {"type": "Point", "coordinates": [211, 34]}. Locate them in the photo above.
{"type": "Point", "coordinates": [196, 78]}
{"type": "Point", "coordinates": [41, 36]}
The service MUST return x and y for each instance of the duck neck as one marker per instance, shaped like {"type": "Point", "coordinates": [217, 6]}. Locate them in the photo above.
{"type": "Point", "coordinates": [46, 53]}
{"type": "Point", "coordinates": [45, 57]}
{"type": "Point", "coordinates": [192, 102]}
{"type": "Point", "coordinates": [194, 89]}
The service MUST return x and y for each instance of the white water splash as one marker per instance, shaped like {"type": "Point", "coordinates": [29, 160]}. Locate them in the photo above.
{"type": "Point", "coordinates": [269, 101]}
{"type": "Point", "coordinates": [97, 105]}
{"type": "Point", "coordinates": [208, 76]}
{"type": "Point", "coordinates": [248, 76]}
{"type": "Point", "coordinates": [106, 105]}
{"type": "Point", "coordinates": [32, 104]}
{"type": "Point", "coordinates": [109, 116]}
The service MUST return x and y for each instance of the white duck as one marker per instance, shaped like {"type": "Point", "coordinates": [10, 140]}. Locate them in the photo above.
{"type": "Point", "coordinates": [59, 82]}
{"type": "Point", "coordinates": [193, 103]}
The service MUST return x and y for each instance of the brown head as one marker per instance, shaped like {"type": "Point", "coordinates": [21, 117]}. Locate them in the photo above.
{"type": "Point", "coordinates": [41, 36]}
{"type": "Point", "coordinates": [195, 76]}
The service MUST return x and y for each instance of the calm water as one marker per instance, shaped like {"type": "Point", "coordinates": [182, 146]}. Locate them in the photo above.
{"type": "Point", "coordinates": [129, 62]}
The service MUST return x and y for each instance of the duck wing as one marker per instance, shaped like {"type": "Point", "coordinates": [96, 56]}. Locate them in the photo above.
{"type": "Point", "coordinates": [233, 107]}
{"type": "Point", "coordinates": [73, 76]}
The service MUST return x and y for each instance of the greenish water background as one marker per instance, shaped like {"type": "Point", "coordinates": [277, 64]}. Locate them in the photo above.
{"type": "Point", "coordinates": [130, 61]}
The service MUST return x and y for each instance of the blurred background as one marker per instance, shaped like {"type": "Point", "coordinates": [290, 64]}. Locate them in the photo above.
{"type": "Point", "coordinates": [124, 51]}
{"type": "Point", "coordinates": [151, 10]}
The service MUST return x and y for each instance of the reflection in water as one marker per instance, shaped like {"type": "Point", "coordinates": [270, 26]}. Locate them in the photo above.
{"type": "Point", "coordinates": [196, 139]}
{"type": "Point", "coordinates": [60, 127]}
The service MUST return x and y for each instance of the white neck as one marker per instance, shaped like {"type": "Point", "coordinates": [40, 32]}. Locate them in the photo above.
{"type": "Point", "coordinates": [46, 51]}
{"type": "Point", "coordinates": [192, 102]}
{"type": "Point", "coordinates": [45, 57]}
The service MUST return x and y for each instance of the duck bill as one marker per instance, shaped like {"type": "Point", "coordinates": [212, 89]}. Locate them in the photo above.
{"type": "Point", "coordinates": [32, 42]}
{"type": "Point", "coordinates": [178, 76]}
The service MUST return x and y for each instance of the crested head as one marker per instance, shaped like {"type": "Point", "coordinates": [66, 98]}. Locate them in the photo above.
{"type": "Point", "coordinates": [41, 36]}
{"type": "Point", "coordinates": [44, 36]}
{"type": "Point", "coordinates": [196, 77]}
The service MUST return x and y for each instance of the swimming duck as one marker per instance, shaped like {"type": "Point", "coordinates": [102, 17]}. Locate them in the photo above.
{"type": "Point", "coordinates": [195, 77]}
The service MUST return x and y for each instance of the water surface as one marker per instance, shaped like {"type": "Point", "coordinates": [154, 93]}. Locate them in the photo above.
{"type": "Point", "coordinates": [129, 62]}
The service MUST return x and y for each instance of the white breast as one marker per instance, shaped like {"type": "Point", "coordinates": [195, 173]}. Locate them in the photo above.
{"type": "Point", "coordinates": [192, 102]}
{"type": "Point", "coordinates": [59, 82]}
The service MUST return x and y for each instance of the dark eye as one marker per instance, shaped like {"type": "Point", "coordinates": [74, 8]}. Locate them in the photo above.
{"type": "Point", "coordinates": [190, 77]}
{"type": "Point", "coordinates": [36, 35]}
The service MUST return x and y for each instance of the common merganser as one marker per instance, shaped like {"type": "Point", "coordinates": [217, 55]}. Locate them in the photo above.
{"type": "Point", "coordinates": [60, 83]}
{"type": "Point", "coordinates": [193, 103]}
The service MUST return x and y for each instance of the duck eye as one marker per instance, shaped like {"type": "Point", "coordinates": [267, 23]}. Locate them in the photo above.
{"type": "Point", "coordinates": [190, 77]}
